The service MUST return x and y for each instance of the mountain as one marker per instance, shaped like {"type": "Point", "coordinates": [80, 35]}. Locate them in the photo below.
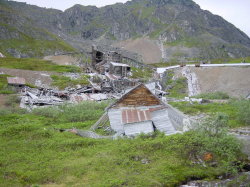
{"type": "Point", "coordinates": [21, 36]}
{"type": "Point", "coordinates": [169, 30]}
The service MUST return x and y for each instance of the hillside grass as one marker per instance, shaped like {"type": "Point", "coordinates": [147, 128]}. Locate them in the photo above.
{"type": "Point", "coordinates": [144, 74]}
{"type": "Point", "coordinates": [35, 65]}
{"type": "Point", "coordinates": [43, 44]}
{"type": "Point", "coordinates": [237, 110]}
{"type": "Point", "coordinates": [179, 88]}
{"type": "Point", "coordinates": [4, 88]}
{"type": "Point", "coordinates": [36, 155]}
{"type": "Point", "coordinates": [213, 96]}
{"type": "Point", "coordinates": [213, 61]}
{"type": "Point", "coordinates": [62, 81]}
{"type": "Point", "coordinates": [231, 60]}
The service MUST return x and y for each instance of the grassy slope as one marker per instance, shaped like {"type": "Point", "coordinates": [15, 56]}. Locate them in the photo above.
{"type": "Point", "coordinates": [34, 45]}
{"type": "Point", "coordinates": [232, 109]}
{"type": "Point", "coordinates": [4, 89]}
{"type": "Point", "coordinates": [35, 65]}
{"type": "Point", "coordinates": [36, 154]}
{"type": "Point", "coordinates": [62, 82]}
{"type": "Point", "coordinates": [214, 61]}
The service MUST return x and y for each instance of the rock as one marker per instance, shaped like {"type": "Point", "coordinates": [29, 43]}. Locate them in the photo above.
{"type": "Point", "coordinates": [145, 161]}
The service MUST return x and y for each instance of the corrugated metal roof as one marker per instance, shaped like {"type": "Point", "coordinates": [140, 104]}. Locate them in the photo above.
{"type": "Point", "coordinates": [134, 116]}
{"type": "Point", "coordinates": [16, 80]}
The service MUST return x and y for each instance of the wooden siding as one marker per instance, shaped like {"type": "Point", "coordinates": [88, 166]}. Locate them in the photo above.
{"type": "Point", "coordinates": [139, 96]}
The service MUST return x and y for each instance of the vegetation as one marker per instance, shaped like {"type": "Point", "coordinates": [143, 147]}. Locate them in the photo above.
{"type": "Point", "coordinates": [143, 74]}
{"type": "Point", "coordinates": [237, 110]}
{"type": "Point", "coordinates": [231, 60]}
{"type": "Point", "coordinates": [35, 154]}
{"type": "Point", "coordinates": [214, 95]}
{"type": "Point", "coordinates": [37, 43]}
{"type": "Point", "coordinates": [4, 88]}
{"type": "Point", "coordinates": [35, 65]}
{"type": "Point", "coordinates": [243, 111]}
{"type": "Point", "coordinates": [62, 82]}
{"type": "Point", "coordinates": [178, 88]}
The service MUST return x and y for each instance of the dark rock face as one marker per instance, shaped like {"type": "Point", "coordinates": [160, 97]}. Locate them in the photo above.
{"type": "Point", "coordinates": [173, 22]}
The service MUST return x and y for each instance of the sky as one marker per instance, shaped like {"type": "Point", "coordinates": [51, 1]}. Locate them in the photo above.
{"type": "Point", "coordinates": [234, 11]}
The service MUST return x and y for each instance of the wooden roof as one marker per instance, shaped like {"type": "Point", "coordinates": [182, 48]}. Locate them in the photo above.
{"type": "Point", "coordinates": [139, 96]}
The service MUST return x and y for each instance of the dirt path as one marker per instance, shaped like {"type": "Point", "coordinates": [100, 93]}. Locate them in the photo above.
{"type": "Point", "coordinates": [38, 78]}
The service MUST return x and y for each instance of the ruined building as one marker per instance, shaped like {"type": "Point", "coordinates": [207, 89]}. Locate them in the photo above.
{"type": "Point", "coordinates": [139, 111]}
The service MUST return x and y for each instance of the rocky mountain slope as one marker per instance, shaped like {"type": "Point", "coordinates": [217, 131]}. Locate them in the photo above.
{"type": "Point", "coordinates": [181, 30]}
{"type": "Point", "coordinates": [21, 36]}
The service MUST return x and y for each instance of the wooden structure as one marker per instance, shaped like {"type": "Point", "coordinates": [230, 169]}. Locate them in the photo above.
{"type": "Point", "coordinates": [17, 82]}
{"type": "Point", "coordinates": [119, 69]}
{"type": "Point", "coordinates": [139, 111]}
{"type": "Point", "coordinates": [111, 54]}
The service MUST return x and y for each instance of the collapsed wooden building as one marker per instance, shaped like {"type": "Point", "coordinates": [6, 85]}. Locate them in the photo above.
{"type": "Point", "coordinates": [139, 111]}
{"type": "Point", "coordinates": [16, 82]}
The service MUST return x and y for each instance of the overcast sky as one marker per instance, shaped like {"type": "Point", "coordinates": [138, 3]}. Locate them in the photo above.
{"type": "Point", "coordinates": [234, 11]}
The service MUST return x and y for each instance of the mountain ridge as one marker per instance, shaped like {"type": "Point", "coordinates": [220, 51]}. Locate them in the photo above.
{"type": "Point", "coordinates": [185, 31]}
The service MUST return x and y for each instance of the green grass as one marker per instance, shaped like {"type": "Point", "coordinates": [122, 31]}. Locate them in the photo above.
{"type": "Point", "coordinates": [143, 74]}
{"type": "Point", "coordinates": [62, 82]}
{"type": "Point", "coordinates": [35, 154]}
{"type": "Point", "coordinates": [35, 65]}
{"type": "Point", "coordinates": [179, 88]}
{"type": "Point", "coordinates": [4, 88]}
{"type": "Point", "coordinates": [231, 60]}
{"type": "Point", "coordinates": [38, 46]}
{"type": "Point", "coordinates": [232, 109]}
{"type": "Point", "coordinates": [214, 95]}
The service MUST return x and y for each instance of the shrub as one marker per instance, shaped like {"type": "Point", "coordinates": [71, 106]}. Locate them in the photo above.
{"type": "Point", "coordinates": [12, 100]}
{"type": "Point", "coordinates": [210, 139]}
{"type": "Point", "coordinates": [62, 82]}
{"type": "Point", "coordinates": [243, 111]}
{"type": "Point", "coordinates": [73, 113]}
{"type": "Point", "coordinates": [215, 95]}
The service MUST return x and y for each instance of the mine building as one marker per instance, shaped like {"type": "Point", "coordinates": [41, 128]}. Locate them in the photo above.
{"type": "Point", "coordinates": [139, 111]}
{"type": "Point", "coordinates": [17, 82]}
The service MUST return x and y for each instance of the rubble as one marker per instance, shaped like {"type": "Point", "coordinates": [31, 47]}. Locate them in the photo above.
{"type": "Point", "coordinates": [1, 55]}
{"type": "Point", "coordinates": [108, 79]}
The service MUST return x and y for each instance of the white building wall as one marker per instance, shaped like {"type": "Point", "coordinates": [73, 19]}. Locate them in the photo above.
{"type": "Point", "coordinates": [115, 118]}
{"type": "Point", "coordinates": [138, 128]}
{"type": "Point", "coordinates": [162, 122]}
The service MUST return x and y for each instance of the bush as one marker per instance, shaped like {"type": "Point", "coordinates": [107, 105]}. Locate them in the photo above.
{"type": "Point", "coordinates": [62, 82]}
{"type": "Point", "coordinates": [209, 143]}
{"type": "Point", "coordinates": [243, 111]}
{"type": "Point", "coordinates": [12, 101]}
{"type": "Point", "coordinates": [215, 95]}
{"type": "Point", "coordinates": [73, 113]}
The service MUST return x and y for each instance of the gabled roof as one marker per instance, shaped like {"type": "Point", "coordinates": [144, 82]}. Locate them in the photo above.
{"type": "Point", "coordinates": [138, 96]}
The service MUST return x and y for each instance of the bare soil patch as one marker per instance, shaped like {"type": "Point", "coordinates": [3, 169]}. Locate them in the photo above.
{"type": "Point", "coordinates": [149, 49]}
{"type": "Point", "coordinates": [63, 60]}
{"type": "Point", "coordinates": [232, 80]}
{"type": "Point", "coordinates": [31, 77]}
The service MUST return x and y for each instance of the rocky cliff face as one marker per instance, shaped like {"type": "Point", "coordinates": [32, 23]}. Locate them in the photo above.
{"type": "Point", "coordinates": [182, 29]}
